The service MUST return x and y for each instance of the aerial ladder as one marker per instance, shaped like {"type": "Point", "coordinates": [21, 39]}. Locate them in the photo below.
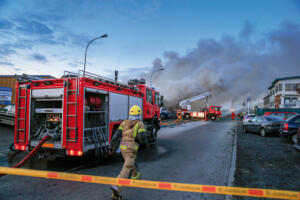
{"type": "Point", "coordinates": [185, 104]}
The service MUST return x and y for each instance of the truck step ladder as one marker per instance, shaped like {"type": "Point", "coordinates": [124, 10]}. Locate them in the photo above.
{"type": "Point", "coordinates": [19, 108]}
{"type": "Point", "coordinates": [73, 116]}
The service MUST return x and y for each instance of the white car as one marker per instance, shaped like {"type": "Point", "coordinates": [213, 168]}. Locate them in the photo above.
{"type": "Point", "coordinates": [247, 117]}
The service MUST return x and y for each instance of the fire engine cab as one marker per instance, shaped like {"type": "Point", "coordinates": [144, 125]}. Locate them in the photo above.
{"type": "Point", "coordinates": [81, 112]}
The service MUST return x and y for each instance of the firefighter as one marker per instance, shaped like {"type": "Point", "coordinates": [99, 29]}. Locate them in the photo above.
{"type": "Point", "coordinates": [132, 134]}
{"type": "Point", "coordinates": [232, 115]}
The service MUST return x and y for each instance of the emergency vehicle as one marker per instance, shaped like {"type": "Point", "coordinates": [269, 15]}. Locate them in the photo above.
{"type": "Point", "coordinates": [206, 112]}
{"type": "Point", "coordinates": [81, 112]}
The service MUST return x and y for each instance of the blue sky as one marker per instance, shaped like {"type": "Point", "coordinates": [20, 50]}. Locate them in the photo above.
{"type": "Point", "coordinates": [48, 37]}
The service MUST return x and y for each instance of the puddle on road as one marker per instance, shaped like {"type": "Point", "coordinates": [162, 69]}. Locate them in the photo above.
{"type": "Point", "coordinates": [51, 163]}
{"type": "Point", "coordinates": [54, 163]}
{"type": "Point", "coordinates": [153, 153]}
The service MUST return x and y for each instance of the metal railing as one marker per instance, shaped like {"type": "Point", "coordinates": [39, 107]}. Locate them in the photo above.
{"type": "Point", "coordinates": [96, 77]}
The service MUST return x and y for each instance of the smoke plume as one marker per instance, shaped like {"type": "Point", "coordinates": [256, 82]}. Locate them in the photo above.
{"type": "Point", "coordinates": [231, 69]}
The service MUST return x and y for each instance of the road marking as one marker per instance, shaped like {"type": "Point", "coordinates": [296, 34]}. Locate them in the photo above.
{"type": "Point", "coordinates": [212, 189]}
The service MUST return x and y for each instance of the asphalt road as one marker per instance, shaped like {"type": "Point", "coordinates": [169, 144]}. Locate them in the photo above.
{"type": "Point", "coordinates": [195, 152]}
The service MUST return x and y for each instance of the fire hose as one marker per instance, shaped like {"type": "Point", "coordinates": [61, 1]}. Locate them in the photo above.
{"type": "Point", "coordinates": [37, 147]}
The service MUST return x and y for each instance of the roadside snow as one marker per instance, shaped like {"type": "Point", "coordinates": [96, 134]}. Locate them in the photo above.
{"type": "Point", "coordinates": [177, 129]}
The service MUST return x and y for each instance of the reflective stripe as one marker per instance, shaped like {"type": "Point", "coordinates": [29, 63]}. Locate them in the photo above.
{"type": "Point", "coordinates": [135, 131]}
{"type": "Point", "coordinates": [121, 127]}
{"type": "Point", "coordinates": [137, 176]}
{"type": "Point", "coordinates": [123, 147]}
{"type": "Point", "coordinates": [142, 130]}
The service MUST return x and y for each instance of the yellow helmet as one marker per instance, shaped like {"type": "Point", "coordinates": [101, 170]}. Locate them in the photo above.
{"type": "Point", "coordinates": [135, 110]}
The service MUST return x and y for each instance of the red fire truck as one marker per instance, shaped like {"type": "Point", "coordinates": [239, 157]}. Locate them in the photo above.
{"type": "Point", "coordinates": [207, 112]}
{"type": "Point", "coordinates": [81, 112]}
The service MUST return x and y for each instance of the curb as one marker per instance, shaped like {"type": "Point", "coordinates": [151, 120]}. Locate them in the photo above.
{"type": "Point", "coordinates": [230, 179]}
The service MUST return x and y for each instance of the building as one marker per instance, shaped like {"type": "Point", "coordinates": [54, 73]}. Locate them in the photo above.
{"type": "Point", "coordinates": [8, 86]}
{"type": "Point", "coordinates": [284, 93]}
{"type": "Point", "coordinates": [267, 101]}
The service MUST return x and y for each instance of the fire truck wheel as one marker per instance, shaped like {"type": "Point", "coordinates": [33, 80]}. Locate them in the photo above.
{"type": "Point", "coordinates": [187, 116]}
{"type": "Point", "coordinates": [153, 131]}
{"type": "Point", "coordinates": [12, 147]}
{"type": "Point", "coordinates": [213, 117]}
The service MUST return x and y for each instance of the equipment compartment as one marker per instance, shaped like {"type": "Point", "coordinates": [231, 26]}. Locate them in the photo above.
{"type": "Point", "coordinates": [96, 121]}
{"type": "Point", "coordinates": [46, 118]}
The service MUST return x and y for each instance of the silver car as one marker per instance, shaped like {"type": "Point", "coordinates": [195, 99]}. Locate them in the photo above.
{"type": "Point", "coordinates": [7, 115]}
{"type": "Point", "coordinates": [247, 117]}
{"type": "Point", "coordinates": [263, 124]}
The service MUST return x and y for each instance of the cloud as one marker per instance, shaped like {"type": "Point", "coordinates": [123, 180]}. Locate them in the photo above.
{"type": "Point", "coordinates": [230, 69]}
{"type": "Point", "coordinates": [6, 63]}
{"type": "Point", "coordinates": [5, 51]}
{"type": "Point", "coordinates": [5, 24]}
{"type": "Point", "coordinates": [32, 27]}
{"type": "Point", "coordinates": [38, 57]}
{"type": "Point", "coordinates": [17, 69]}
{"type": "Point", "coordinates": [247, 30]}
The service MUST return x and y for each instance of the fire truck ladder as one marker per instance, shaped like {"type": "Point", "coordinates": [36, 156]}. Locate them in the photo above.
{"type": "Point", "coordinates": [68, 103]}
{"type": "Point", "coordinates": [22, 87]}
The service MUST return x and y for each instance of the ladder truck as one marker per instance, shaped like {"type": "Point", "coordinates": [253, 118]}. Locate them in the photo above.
{"type": "Point", "coordinates": [205, 112]}
{"type": "Point", "coordinates": [80, 112]}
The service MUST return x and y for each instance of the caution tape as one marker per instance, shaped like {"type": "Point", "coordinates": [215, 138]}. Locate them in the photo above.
{"type": "Point", "coordinates": [225, 190]}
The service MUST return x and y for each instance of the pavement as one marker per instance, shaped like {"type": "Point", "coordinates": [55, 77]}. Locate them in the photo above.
{"type": "Point", "coordinates": [265, 162]}
{"type": "Point", "coordinates": [195, 152]}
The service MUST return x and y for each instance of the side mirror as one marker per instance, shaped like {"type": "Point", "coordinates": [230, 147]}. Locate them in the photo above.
{"type": "Point", "coordinates": [250, 121]}
{"type": "Point", "coordinates": [161, 103]}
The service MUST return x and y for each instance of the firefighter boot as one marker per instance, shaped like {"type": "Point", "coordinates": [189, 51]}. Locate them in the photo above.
{"type": "Point", "coordinates": [137, 177]}
{"type": "Point", "coordinates": [116, 193]}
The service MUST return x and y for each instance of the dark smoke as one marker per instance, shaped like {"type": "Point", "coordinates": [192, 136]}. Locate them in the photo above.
{"type": "Point", "coordinates": [231, 69]}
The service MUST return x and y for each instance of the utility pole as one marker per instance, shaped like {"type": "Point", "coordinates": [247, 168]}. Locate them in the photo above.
{"type": "Point", "coordinates": [248, 103]}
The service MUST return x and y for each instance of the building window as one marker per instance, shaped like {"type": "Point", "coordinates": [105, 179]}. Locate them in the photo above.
{"type": "Point", "coordinates": [290, 87]}
{"type": "Point", "coordinates": [290, 102]}
{"type": "Point", "coordinates": [280, 86]}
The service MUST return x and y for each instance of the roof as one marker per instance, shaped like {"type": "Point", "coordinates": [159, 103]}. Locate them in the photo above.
{"type": "Point", "coordinates": [281, 79]}
{"type": "Point", "coordinates": [35, 76]}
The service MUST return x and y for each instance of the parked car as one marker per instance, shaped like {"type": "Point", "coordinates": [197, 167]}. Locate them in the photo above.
{"type": "Point", "coordinates": [172, 115]}
{"type": "Point", "coordinates": [290, 127]}
{"type": "Point", "coordinates": [7, 115]}
{"type": "Point", "coordinates": [263, 124]}
{"type": "Point", "coordinates": [297, 145]}
{"type": "Point", "coordinates": [283, 115]}
{"type": "Point", "coordinates": [164, 114]}
{"type": "Point", "coordinates": [247, 117]}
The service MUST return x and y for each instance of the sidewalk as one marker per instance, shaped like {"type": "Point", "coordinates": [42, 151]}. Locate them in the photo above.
{"type": "Point", "coordinates": [269, 162]}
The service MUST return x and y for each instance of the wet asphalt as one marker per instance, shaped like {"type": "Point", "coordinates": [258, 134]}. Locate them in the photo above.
{"type": "Point", "coordinates": [195, 152]}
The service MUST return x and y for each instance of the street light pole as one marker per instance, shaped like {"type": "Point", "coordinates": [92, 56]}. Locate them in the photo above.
{"type": "Point", "coordinates": [153, 73]}
{"type": "Point", "coordinates": [87, 46]}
